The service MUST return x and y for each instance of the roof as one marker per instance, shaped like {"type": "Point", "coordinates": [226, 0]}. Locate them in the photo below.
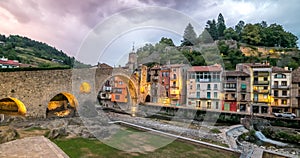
{"type": "Point", "coordinates": [104, 65]}
{"type": "Point", "coordinates": [296, 76]}
{"type": "Point", "coordinates": [9, 62]}
{"type": "Point", "coordinates": [276, 69]}
{"type": "Point", "coordinates": [257, 65]}
{"type": "Point", "coordinates": [235, 73]}
{"type": "Point", "coordinates": [215, 67]}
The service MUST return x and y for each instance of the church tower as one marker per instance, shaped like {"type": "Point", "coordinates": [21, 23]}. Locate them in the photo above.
{"type": "Point", "coordinates": [132, 60]}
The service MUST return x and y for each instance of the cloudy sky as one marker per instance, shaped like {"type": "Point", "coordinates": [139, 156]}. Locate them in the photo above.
{"type": "Point", "coordinates": [104, 30]}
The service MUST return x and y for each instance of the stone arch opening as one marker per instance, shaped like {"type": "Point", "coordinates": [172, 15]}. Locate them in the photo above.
{"type": "Point", "coordinates": [62, 105]}
{"type": "Point", "coordinates": [118, 91]}
{"type": "Point", "coordinates": [12, 106]}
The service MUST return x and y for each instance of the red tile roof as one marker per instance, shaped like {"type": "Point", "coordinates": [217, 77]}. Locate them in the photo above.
{"type": "Point", "coordinates": [9, 62]}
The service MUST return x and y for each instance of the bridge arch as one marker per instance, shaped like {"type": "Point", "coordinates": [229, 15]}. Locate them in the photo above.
{"type": "Point", "coordinates": [12, 106]}
{"type": "Point", "coordinates": [61, 105]}
{"type": "Point", "coordinates": [128, 78]}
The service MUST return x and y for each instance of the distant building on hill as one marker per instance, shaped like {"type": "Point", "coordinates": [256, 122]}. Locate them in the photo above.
{"type": "Point", "coordinates": [6, 63]}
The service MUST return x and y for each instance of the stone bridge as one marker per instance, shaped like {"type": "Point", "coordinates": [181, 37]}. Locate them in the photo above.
{"type": "Point", "coordinates": [29, 93]}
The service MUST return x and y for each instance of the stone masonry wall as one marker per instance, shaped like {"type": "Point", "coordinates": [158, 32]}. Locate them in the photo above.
{"type": "Point", "coordinates": [35, 88]}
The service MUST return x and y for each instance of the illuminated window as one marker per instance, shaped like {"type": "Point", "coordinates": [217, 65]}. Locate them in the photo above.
{"type": "Point", "coordinates": [284, 101]}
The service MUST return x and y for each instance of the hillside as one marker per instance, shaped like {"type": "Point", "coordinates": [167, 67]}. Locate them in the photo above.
{"type": "Point", "coordinates": [34, 53]}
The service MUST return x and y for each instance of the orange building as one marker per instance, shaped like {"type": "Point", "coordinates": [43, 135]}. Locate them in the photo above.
{"type": "Point", "coordinates": [119, 91]}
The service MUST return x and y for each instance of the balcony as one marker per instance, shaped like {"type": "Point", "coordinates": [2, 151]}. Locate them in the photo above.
{"type": "Point", "coordinates": [261, 74]}
{"type": "Point", "coordinates": [280, 87]}
{"type": "Point", "coordinates": [261, 100]}
{"type": "Point", "coordinates": [264, 91]}
{"type": "Point", "coordinates": [229, 89]}
{"type": "Point", "coordinates": [230, 99]}
{"type": "Point", "coordinates": [261, 83]}
{"type": "Point", "coordinates": [243, 90]}
{"type": "Point", "coordinates": [155, 79]}
{"type": "Point", "coordinates": [207, 80]}
{"type": "Point", "coordinates": [174, 86]}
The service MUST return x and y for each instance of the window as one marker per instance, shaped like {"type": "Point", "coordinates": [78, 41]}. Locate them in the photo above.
{"type": "Point", "coordinates": [208, 95]}
{"type": "Point", "coordinates": [215, 95]}
{"type": "Point", "coordinates": [117, 97]}
{"type": "Point", "coordinates": [284, 101]}
{"type": "Point", "coordinates": [233, 96]}
{"type": "Point", "coordinates": [276, 101]}
{"type": "Point", "coordinates": [275, 93]}
{"type": "Point", "coordinates": [217, 105]}
{"type": "Point", "coordinates": [284, 93]}
{"type": "Point", "coordinates": [265, 96]}
{"type": "Point", "coordinates": [243, 86]}
{"type": "Point", "coordinates": [265, 78]}
{"type": "Point", "coordinates": [280, 76]}
{"type": "Point", "coordinates": [255, 97]}
{"type": "Point", "coordinates": [208, 86]}
{"type": "Point", "coordinates": [191, 87]}
{"type": "Point", "coordinates": [208, 105]}
{"type": "Point", "coordinates": [284, 83]}
{"type": "Point", "coordinates": [120, 82]}
{"type": "Point", "coordinates": [226, 96]}
{"type": "Point", "coordinates": [215, 86]}
{"type": "Point", "coordinates": [243, 78]}
{"type": "Point", "coordinates": [198, 86]}
{"type": "Point", "coordinates": [174, 84]}
{"type": "Point", "coordinates": [174, 76]}
{"type": "Point", "coordinates": [198, 94]}
{"type": "Point", "coordinates": [174, 70]}
{"type": "Point", "coordinates": [243, 97]}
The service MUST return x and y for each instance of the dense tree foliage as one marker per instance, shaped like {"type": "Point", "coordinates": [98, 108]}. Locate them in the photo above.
{"type": "Point", "coordinates": [27, 51]}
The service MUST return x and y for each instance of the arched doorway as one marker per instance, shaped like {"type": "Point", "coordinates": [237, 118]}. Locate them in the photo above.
{"type": "Point", "coordinates": [62, 105]}
{"type": "Point", "coordinates": [148, 98]}
{"type": "Point", "coordinates": [12, 106]}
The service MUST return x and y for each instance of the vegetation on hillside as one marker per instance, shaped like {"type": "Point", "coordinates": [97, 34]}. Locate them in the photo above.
{"type": "Point", "coordinates": [27, 51]}
{"type": "Point", "coordinates": [219, 44]}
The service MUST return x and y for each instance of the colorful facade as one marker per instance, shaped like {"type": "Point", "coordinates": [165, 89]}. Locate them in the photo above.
{"type": "Point", "coordinates": [281, 89]}
{"type": "Point", "coordinates": [236, 91]}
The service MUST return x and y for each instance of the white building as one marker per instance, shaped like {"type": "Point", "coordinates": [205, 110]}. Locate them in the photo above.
{"type": "Point", "coordinates": [204, 87]}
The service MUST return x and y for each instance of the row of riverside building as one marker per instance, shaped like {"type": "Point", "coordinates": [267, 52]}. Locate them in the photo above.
{"type": "Point", "coordinates": [251, 88]}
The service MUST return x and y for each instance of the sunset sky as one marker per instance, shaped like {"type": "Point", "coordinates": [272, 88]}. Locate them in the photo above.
{"type": "Point", "coordinates": [66, 24]}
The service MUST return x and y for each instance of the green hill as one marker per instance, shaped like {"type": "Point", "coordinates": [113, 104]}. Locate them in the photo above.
{"type": "Point", "coordinates": [35, 53]}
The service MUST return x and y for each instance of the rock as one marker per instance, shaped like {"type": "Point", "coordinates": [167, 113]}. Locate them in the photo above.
{"type": "Point", "coordinates": [57, 132]}
{"type": "Point", "coordinates": [8, 134]}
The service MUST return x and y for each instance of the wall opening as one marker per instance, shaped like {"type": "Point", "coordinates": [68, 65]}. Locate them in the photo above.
{"type": "Point", "coordinates": [148, 98]}
{"type": "Point", "coordinates": [62, 105]}
{"type": "Point", "coordinates": [12, 106]}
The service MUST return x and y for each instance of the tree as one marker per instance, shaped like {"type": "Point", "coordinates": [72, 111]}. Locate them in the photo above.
{"type": "Point", "coordinates": [211, 27]}
{"type": "Point", "coordinates": [250, 34]}
{"type": "Point", "coordinates": [166, 41]}
{"type": "Point", "coordinates": [230, 34]}
{"type": "Point", "coordinates": [189, 36]}
{"type": "Point", "coordinates": [239, 28]}
{"type": "Point", "coordinates": [221, 25]}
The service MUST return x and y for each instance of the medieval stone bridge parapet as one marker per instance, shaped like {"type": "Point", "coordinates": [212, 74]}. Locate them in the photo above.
{"type": "Point", "coordinates": [35, 89]}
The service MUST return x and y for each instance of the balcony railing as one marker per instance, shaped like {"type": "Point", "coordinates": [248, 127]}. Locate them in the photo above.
{"type": "Point", "coordinates": [229, 89]}
{"type": "Point", "coordinates": [261, 91]}
{"type": "Point", "coordinates": [280, 86]}
{"type": "Point", "coordinates": [208, 80]}
{"type": "Point", "coordinates": [261, 74]}
{"type": "Point", "coordinates": [261, 82]}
